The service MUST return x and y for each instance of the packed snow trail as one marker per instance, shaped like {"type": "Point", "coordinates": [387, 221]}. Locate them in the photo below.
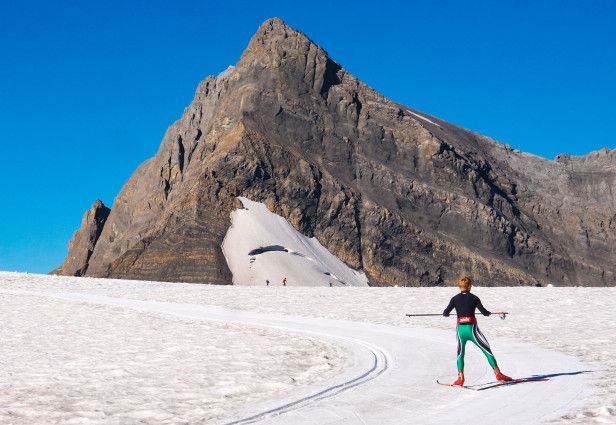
{"type": "Point", "coordinates": [393, 377]}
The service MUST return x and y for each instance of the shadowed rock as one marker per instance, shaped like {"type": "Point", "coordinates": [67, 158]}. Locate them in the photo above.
{"type": "Point", "coordinates": [271, 248]}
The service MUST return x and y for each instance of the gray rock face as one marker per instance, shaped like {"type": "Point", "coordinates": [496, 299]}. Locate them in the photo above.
{"type": "Point", "coordinates": [408, 198]}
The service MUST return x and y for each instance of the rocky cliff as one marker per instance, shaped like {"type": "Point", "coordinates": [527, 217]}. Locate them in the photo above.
{"type": "Point", "coordinates": [406, 197]}
{"type": "Point", "coordinates": [80, 248]}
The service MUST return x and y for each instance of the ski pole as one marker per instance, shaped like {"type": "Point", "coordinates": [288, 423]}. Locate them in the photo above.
{"type": "Point", "coordinates": [501, 314]}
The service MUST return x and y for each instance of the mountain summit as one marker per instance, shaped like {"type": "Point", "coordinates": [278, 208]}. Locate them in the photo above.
{"type": "Point", "coordinates": [405, 197]}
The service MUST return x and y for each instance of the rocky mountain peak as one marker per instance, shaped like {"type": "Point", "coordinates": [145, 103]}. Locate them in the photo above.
{"type": "Point", "coordinates": [286, 55]}
{"type": "Point", "coordinates": [275, 37]}
{"type": "Point", "coordinates": [275, 27]}
{"type": "Point", "coordinates": [403, 196]}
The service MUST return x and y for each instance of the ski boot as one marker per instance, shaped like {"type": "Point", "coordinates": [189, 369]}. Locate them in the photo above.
{"type": "Point", "coordinates": [501, 376]}
{"type": "Point", "coordinates": [460, 380]}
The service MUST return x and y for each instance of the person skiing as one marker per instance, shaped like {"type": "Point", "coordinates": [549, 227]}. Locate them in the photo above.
{"type": "Point", "coordinates": [465, 304]}
{"type": "Point", "coordinates": [284, 282]}
{"type": "Point", "coordinates": [266, 282]}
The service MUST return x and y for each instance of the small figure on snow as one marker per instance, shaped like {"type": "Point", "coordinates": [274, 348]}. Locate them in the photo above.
{"type": "Point", "coordinates": [330, 284]}
{"type": "Point", "coordinates": [266, 282]}
{"type": "Point", "coordinates": [284, 282]}
{"type": "Point", "coordinates": [465, 304]}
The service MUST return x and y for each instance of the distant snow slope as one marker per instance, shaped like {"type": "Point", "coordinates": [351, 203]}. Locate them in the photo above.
{"type": "Point", "coordinates": [261, 246]}
{"type": "Point", "coordinates": [100, 351]}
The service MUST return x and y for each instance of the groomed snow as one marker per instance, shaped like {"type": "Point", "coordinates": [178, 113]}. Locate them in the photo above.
{"type": "Point", "coordinates": [261, 245]}
{"type": "Point", "coordinates": [97, 351]}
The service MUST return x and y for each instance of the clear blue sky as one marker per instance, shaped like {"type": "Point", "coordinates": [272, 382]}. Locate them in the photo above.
{"type": "Point", "coordinates": [88, 88]}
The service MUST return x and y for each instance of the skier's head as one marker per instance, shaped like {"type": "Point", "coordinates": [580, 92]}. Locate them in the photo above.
{"type": "Point", "coordinates": [465, 283]}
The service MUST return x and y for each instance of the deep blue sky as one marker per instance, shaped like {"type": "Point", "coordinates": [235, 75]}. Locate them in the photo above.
{"type": "Point", "coordinates": [88, 88]}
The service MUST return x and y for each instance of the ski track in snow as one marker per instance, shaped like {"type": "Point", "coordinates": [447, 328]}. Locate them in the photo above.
{"type": "Point", "coordinates": [373, 363]}
{"type": "Point", "coordinates": [388, 377]}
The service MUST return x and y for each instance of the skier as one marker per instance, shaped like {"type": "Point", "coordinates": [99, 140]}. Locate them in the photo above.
{"type": "Point", "coordinates": [465, 304]}
{"type": "Point", "coordinates": [284, 282]}
{"type": "Point", "coordinates": [267, 283]}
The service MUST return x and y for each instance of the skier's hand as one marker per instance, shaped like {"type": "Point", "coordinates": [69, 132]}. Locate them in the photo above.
{"type": "Point", "coordinates": [446, 315]}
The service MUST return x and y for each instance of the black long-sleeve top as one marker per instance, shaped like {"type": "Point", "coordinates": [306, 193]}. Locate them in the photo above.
{"type": "Point", "coordinates": [465, 304]}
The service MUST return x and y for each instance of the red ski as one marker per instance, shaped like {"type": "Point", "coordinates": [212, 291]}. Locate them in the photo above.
{"type": "Point", "coordinates": [468, 387]}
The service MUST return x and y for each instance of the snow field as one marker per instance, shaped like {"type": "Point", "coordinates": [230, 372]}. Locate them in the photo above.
{"type": "Point", "coordinates": [71, 362]}
{"type": "Point", "coordinates": [169, 383]}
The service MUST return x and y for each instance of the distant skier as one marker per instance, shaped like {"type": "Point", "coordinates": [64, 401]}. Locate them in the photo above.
{"type": "Point", "coordinates": [284, 282]}
{"type": "Point", "coordinates": [465, 304]}
{"type": "Point", "coordinates": [267, 283]}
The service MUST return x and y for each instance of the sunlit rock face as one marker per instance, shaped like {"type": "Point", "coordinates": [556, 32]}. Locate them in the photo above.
{"type": "Point", "coordinates": [405, 197]}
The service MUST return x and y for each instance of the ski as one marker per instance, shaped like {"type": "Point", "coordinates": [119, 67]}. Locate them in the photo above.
{"type": "Point", "coordinates": [480, 387]}
{"type": "Point", "coordinates": [512, 382]}
{"type": "Point", "coordinates": [466, 387]}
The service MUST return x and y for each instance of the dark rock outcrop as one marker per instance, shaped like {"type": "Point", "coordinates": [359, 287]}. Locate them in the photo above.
{"type": "Point", "coordinates": [82, 244]}
{"type": "Point", "coordinates": [408, 198]}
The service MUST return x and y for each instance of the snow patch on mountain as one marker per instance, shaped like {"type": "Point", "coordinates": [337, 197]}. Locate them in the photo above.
{"type": "Point", "coordinates": [261, 246]}
{"type": "Point", "coordinates": [419, 116]}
